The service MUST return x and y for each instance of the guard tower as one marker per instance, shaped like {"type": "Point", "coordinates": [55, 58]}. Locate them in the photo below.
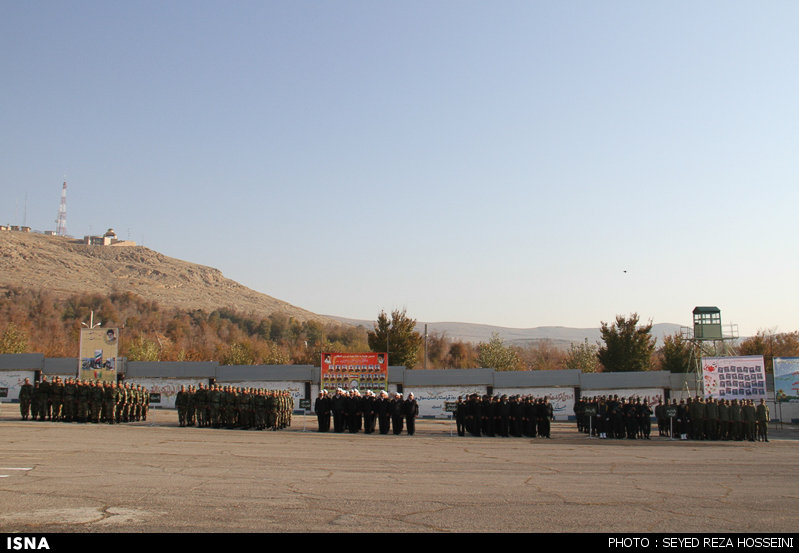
{"type": "Point", "coordinates": [707, 323]}
{"type": "Point", "coordinates": [708, 338]}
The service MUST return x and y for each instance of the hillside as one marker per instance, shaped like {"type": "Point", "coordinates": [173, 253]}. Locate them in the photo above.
{"type": "Point", "coordinates": [65, 267]}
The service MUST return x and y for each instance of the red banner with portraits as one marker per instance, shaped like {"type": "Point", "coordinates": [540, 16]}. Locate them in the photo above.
{"type": "Point", "coordinates": [349, 371]}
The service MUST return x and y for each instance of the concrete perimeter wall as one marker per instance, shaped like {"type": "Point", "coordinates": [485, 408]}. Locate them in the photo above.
{"type": "Point", "coordinates": [432, 388]}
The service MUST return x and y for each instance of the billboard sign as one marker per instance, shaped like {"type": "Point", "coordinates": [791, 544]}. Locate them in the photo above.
{"type": "Point", "coordinates": [350, 371]}
{"type": "Point", "coordinates": [739, 378]}
{"type": "Point", "coordinates": [786, 379]}
{"type": "Point", "coordinates": [99, 349]}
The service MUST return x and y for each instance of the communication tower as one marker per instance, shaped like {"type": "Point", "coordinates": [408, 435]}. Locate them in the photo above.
{"type": "Point", "coordinates": [61, 221]}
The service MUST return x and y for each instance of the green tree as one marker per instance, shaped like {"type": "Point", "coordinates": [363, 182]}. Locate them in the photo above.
{"type": "Point", "coordinates": [13, 340]}
{"type": "Point", "coordinates": [462, 355]}
{"type": "Point", "coordinates": [314, 333]}
{"type": "Point", "coordinates": [144, 349]}
{"type": "Point", "coordinates": [541, 355]}
{"type": "Point", "coordinates": [494, 354]}
{"type": "Point", "coordinates": [238, 353]}
{"type": "Point", "coordinates": [771, 344]}
{"type": "Point", "coordinates": [396, 336]}
{"type": "Point", "coordinates": [583, 357]}
{"type": "Point", "coordinates": [628, 347]}
{"type": "Point", "coordinates": [273, 354]}
{"type": "Point", "coordinates": [675, 354]}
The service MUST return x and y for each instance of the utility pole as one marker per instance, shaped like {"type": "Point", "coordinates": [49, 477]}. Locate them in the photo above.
{"type": "Point", "coordinates": [425, 346]}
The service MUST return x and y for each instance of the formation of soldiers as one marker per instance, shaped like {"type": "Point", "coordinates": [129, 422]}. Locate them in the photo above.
{"type": "Point", "coordinates": [216, 406]}
{"type": "Point", "coordinates": [691, 419]}
{"type": "Point", "coordinates": [75, 400]}
{"type": "Point", "coordinates": [715, 419]}
{"type": "Point", "coordinates": [491, 415]}
{"type": "Point", "coordinates": [613, 417]}
{"type": "Point", "coordinates": [370, 412]}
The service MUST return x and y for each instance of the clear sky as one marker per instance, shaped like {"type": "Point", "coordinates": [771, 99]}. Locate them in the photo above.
{"type": "Point", "coordinates": [490, 162]}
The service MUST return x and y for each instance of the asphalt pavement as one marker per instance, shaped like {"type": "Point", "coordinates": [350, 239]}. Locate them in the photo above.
{"type": "Point", "coordinates": [157, 477]}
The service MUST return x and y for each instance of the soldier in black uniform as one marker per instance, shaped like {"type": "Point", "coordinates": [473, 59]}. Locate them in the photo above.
{"type": "Point", "coordinates": [502, 417]}
{"type": "Point", "coordinates": [354, 412]}
{"type": "Point", "coordinates": [460, 416]}
{"type": "Point", "coordinates": [397, 413]}
{"type": "Point", "coordinates": [181, 404]}
{"type": "Point", "coordinates": [383, 409]}
{"type": "Point", "coordinates": [617, 417]}
{"type": "Point", "coordinates": [411, 411]}
{"type": "Point", "coordinates": [683, 419]}
{"type": "Point", "coordinates": [322, 409]}
{"type": "Point", "coordinates": [602, 426]}
{"type": "Point", "coordinates": [339, 405]}
{"type": "Point", "coordinates": [487, 408]}
{"type": "Point", "coordinates": [368, 406]}
{"type": "Point", "coordinates": [516, 416]}
{"type": "Point", "coordinates": [645, 419]}
{"type": "Point", "coordinates": [547, 415]}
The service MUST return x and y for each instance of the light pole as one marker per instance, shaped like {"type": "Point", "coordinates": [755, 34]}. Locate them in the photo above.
{"type": "Point", "coordinates": [91, 322]}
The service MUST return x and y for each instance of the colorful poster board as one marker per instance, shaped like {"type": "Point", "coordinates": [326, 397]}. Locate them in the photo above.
{"type": "Point", "coordinates": [786, 379]}
{"type": "Point", "coordinates": [734, 377]}
{"type": "Point", "coordinates": [99, 349]}
{"type": "Point", "coordinates": [350, 371]}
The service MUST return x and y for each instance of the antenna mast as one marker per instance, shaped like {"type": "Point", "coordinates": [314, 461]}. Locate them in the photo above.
{"type": "Point", "coordinates": [61, 221]}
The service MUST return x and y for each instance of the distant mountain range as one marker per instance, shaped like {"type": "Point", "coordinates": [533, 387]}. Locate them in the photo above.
{"type": "Point", "coordinates": [559, 335]}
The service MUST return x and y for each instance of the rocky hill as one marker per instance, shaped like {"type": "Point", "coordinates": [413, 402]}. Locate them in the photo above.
{"type": "Point", "coordinates": [65, 267]}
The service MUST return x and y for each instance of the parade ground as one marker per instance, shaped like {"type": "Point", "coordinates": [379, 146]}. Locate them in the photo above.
{"type": "Point", "coordinates": [157, 477]}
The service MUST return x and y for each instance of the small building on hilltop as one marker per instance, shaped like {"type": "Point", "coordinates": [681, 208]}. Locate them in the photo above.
{"type": "Point", "coordinates": [107, 239]}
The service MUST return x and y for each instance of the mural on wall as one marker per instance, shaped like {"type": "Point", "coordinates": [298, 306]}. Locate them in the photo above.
{"type": "Point", "coordinates": [11, 382]}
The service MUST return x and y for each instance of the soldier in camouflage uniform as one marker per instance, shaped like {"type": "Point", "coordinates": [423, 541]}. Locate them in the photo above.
{"type": "Point", "coordinates": [41, 398]}
{"type": "Point", "coordinates": [233, 407]}
{"type": "Point", "coordinates": [25, 399]}
{"type": "Point", "coordinates": [134, 404]}
{"type": "Point", "coordinates": [271, 410]}
{"type": "Point", "coordinates": [181, 403]}
{"type": "Point", "coordinates": [77, 400]}
{"type": "Point", "coordinates": [68, 403]}
{"type": "Point", "coordinates": [215, 402]}
{"type": "Point", "coordinates": [145, 409]}
{"type": "Point", "coordinates": [56, 398]}
{"type": "Point", "coordinates": [762, 418]}
{"type": "Point", "coordinates": [83, 401]}
{"type": "Point", "coordinates": [226, 407]}
{"type": "Point", "coordinates": [96, 401]}
{"type": "Point", "coordinates": [109, 399]}
{"type": "Point", "coordinates": [288, 407]}
{"type": "Point", "coordinates": [749, 417]}
{"type": "Point", "coordinates": [736, 421]}
{"type": "Point", "coordinates": [200, 405]}
{"type": "Point", "coordinates": [260, 410]}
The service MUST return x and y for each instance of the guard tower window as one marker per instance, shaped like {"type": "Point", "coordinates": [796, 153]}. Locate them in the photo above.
{"type": "Point", "coordinates": [707, 318]}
